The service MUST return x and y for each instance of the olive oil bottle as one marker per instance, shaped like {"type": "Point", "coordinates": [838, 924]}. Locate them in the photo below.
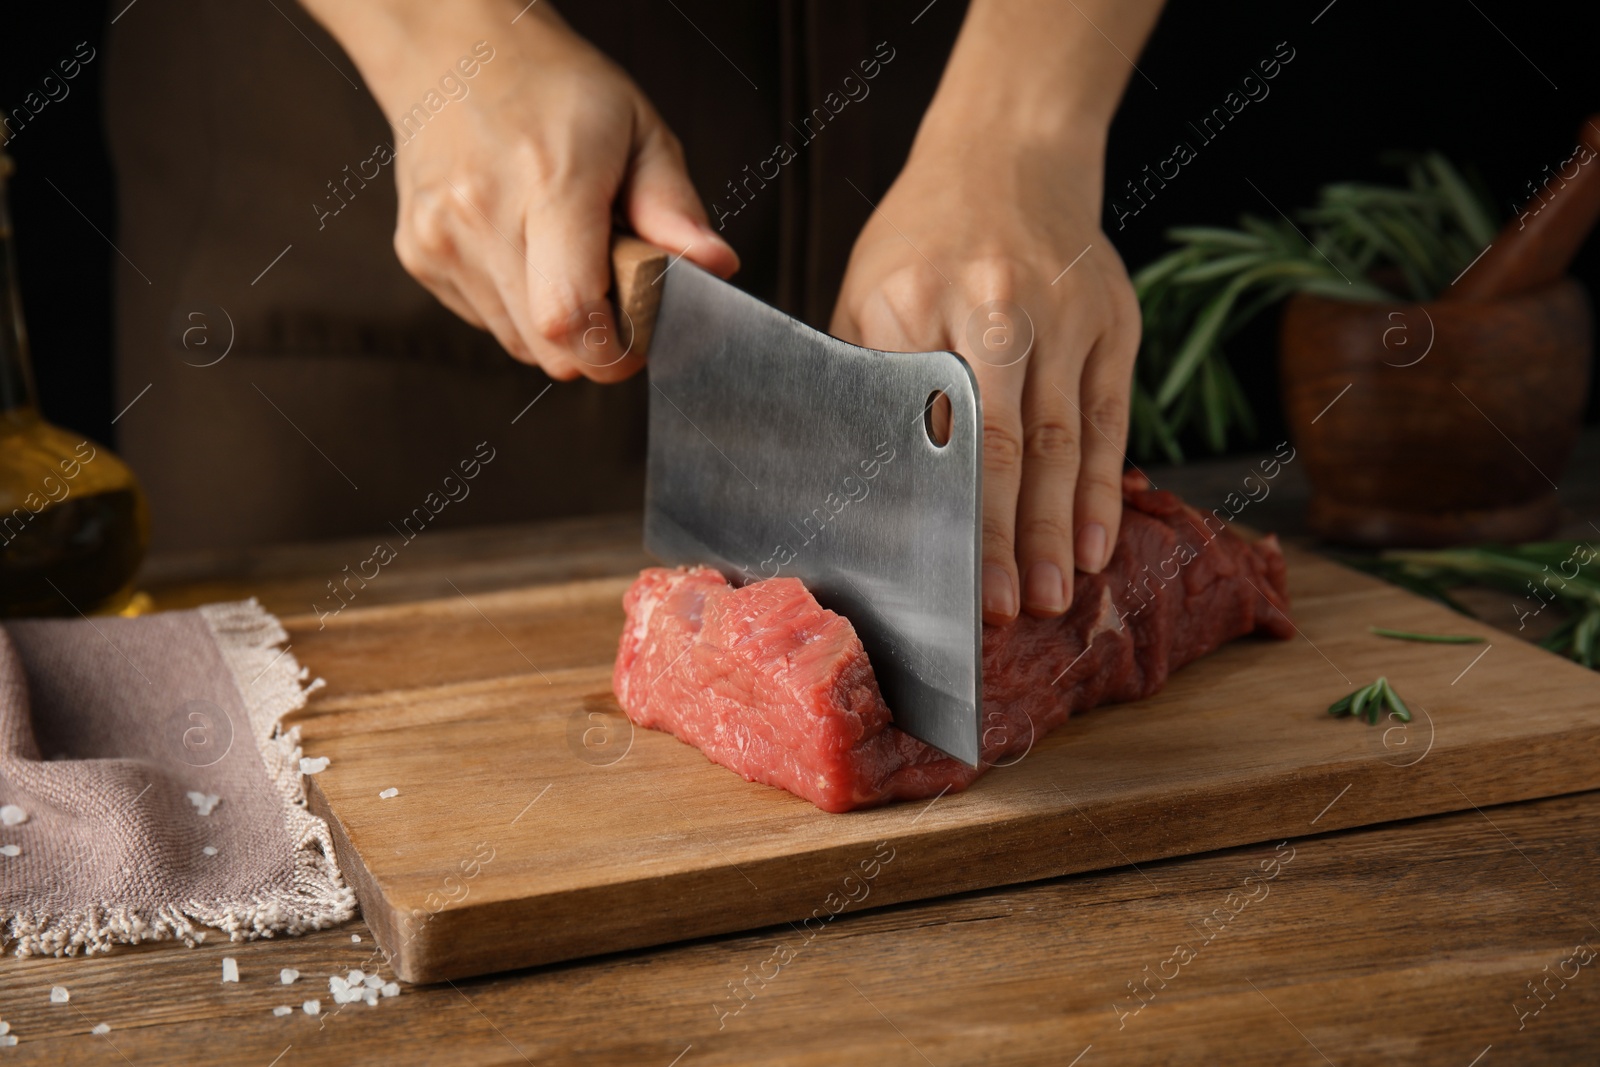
{"type": "Point", "coordinates": [73, 522]}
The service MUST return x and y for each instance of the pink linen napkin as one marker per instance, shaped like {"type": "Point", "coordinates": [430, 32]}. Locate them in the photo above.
{"type": "Point", "coordinates": [147, 788]}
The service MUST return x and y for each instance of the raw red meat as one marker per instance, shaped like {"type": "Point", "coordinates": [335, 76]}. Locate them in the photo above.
{"type": "Point", "coordinates": [768, 683]}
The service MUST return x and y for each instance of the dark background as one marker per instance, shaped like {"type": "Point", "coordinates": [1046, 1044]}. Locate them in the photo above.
{"type": "Point", "coordinates": [1367, 76]}
{"type": "Point", "coordinates": [65, 269]}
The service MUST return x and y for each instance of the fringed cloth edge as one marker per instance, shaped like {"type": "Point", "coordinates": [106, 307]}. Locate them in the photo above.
{"type": "Point", "coordinates": [271, 684]}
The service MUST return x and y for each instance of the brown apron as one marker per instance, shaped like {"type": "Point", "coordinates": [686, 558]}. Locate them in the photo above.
{"type": "Point", "coordinates": [347, 393]}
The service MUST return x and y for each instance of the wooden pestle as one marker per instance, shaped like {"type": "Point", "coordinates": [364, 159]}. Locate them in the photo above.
{"type": "Point", "coordinates": [1534, 249]}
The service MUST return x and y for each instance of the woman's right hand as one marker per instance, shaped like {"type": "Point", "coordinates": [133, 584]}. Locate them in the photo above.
{"type": "Point", "coordinates": [508, 194]}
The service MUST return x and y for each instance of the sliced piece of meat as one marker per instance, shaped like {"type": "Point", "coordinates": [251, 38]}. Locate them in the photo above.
{"type": "Point", "coordinates": [765, 681]}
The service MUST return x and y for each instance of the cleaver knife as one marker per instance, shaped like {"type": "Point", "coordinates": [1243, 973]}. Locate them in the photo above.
{"type": "Point", "coordinates": [776, 450]}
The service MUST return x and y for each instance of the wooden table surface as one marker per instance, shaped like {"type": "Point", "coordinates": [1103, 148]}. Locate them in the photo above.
{"type": "Point", "coordinates": [1468, 940]}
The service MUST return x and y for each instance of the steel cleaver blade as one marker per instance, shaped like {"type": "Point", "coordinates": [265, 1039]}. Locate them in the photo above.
{"type": "Point", "coordinates": [776, 450]}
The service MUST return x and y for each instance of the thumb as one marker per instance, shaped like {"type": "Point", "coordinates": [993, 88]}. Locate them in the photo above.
{"type": "Point", "coordinates": [662, 207]}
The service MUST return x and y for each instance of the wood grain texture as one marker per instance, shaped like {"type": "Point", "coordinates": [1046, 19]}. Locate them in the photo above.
{"type": "Point", "coordinates": [1408, 943]}
{"type": "Point", "coordinates": [514, 842]}
{"type": "Point", "coordinates": [636, 270]}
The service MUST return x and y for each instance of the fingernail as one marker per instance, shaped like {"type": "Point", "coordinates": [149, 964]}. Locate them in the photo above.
{"type": "Point", "coordinates": [1092, 548]}
{"type": "Point", "coordinates": [999, 594]}
{"type": "Point", "coordinates": [1046, 592]}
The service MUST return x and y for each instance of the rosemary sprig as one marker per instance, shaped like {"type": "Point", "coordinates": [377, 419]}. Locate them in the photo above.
{"type": "Point", "coordinates": [1197, 297]}
{"type": "Point", "coordinates": [1538, 574]}
{"type": "Point", "coordinates": [1370, 701]}
{"type": "Point", "coordinates": [1437, 639]}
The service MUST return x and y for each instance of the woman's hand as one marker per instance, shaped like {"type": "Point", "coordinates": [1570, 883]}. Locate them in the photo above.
{"type": "Point", "coordinates": [999, 256]}
{"type": "Point", "coordinates": [989, 244]}
{"type": "Point", "coordinates": [507, 195]}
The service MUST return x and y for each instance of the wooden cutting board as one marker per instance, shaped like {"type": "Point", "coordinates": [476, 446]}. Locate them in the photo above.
{"type": "Point", "coordinates": [534, 824]}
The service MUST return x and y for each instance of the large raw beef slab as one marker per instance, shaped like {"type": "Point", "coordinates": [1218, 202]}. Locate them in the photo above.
{"type": "Point", "coordinates": [765, 681]}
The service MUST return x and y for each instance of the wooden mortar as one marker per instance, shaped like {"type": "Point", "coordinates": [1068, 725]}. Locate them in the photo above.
{"type": "Point", "coordinates": [1459, 416]}
{"type": "Point", "coordinates": [1454, 419]}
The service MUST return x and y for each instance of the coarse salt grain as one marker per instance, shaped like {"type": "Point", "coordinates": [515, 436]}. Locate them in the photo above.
{"type": "Point", "coordinates": [10, 850]}
{"type": "Point", "coordinates": [355, 938]}
{"type": "Point", "coordinates": [288, 975]}
{"type": "Point", "coordinates": [209, 850]}
{"type": "Point", "coordinates": [281, 1010]}
{"type": "Point", "coordinates": [8, 1040]}
{"type": "Point", "coordinates": [337, 985]}
{"type": "Point", "coordinates": [12, 815]}
{"type": "Point", "coordinates": [313, 765]}
{"type": "Point", "coordinates": [204, 803]}
{"type": "Point", "coordinates": [355, 977]}
{"type": "Point", "coordinates": [390, 792]}
{"type": "Point", "coordinates": [391, 989]}
{"type": "Point", "coordinates": [5, 1028]}
{"type": "Point", "coordinates": [312, 1007]}
{"type": "Point", "coordinates": [59, 994]}
{"type": "Point", "coordinates": [371, 997]}
{"type": "Point", "coordinates": [100, 1029]}
{"type": "Point", "coordinates": [372, 981]}
{"type": "Point", "coordinates": [230, 969]}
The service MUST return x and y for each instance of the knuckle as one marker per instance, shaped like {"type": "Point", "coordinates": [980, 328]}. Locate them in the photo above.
{"type": "Point", "coordinates": [556, 315]}
{"type": "Point", "coordinates": [533, 165]}
{"type": "Point", "coordinates": [1044, 533]}
{"type": "Point", "coordinates": [997, 538]}
{"type": "Point", "coordinates": [406, 251]}
{"type": "Point", "coordinates": [994, 277]}
{"type": "Point", "coordinates": [904, 302]}
{"type": "Point", "coordinates": [1001, 446]}
{"type": "Point", "coordinates": [1109, 414]}
{"type": "Point", "coordinates": [470, 192]}
{"type": "Point", "coordinates": [430, 266]}
{"type": "Point", "coordinates": [909, 294]}
{"type": "Point", "coordinates": [1102, 484]}
{"type": "Point", "coordinates": [552, 319]}
{"type": "Point", "coordinates": [1053, 441]}
{"type": "Point", "coordinates": [429, 226]}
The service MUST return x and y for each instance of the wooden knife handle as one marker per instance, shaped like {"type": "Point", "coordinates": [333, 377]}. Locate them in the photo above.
{"type": "Point", "coordinates": [636, 269]}
{"type": "Point", "coordinates": [1535, 248]}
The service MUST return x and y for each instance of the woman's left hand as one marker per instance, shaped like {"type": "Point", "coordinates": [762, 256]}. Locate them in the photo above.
{"type": "Point", "coordinates": [998, 255]}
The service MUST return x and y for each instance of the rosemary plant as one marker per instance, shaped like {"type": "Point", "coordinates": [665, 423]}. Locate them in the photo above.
{"type": "Point", "coordinates": [1416, 238]}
